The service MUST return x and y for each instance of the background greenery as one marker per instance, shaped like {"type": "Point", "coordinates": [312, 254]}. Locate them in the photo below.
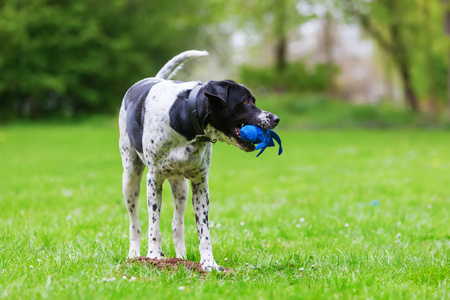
{"type": "Point", "coordinates": [356, 207]}
{"type": "Point", "coordinates": [71, 58]}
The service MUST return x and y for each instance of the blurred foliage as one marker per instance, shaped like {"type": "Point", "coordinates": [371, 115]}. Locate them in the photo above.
{"type": "Point", "coordinates": [73, 56]}
{"type": "Point", "coordinates": [273, 20]}
{"type": "Point", "coordinates": [296, 77]}
{"type": "Point", "coordinates": [318, 110]}
{"type": "Point", "coordinates": [411, 34]}
{"type": "Point", "coordinates": [68, 57]}
{"type": "Point", "coordinates": [430, 67]}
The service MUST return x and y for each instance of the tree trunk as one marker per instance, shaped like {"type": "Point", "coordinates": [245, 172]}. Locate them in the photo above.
{"type": "Point", "coordinates": [448, 82]}
{"type": "Point", "coordinates": [446, 4]}
{"type": "Point", "coordinates": [401, 55]}
{"type": "Point", "coordinates": [280, 53]}
{"type": "Point", "coordinates": [446, 25]}
{"type": "Point", "coordinates": [328, 45]}
{"type": "Point", "coordinates": [410, 95]}
{"type": "Point", "coordinates": [281, 36]}
{"type": "Point", "coordinates": [430, 80]}
{"type": "Point", "coordinates": [391, 79]}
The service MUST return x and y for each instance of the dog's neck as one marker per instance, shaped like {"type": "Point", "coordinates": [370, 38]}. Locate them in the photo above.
{"type": "Point", "coordinates": [193, 113]}
{"type": "Point", "coordinates": [188, 115]}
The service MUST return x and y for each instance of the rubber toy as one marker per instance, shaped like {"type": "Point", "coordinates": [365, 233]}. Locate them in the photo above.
{"type": "Point", "coordinates": [263, 138]}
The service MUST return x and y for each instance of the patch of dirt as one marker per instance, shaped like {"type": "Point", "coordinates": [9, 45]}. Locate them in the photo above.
{"type": "Point", "coordinates": [169, 264]}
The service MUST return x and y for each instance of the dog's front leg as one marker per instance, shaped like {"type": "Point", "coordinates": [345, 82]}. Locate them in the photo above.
{"type": "Point", "coordinates": [180, 190]}
{"type": "Point", "coordinates": [200, 200]}
{"type": "Point", "coordinates": [154, 200]}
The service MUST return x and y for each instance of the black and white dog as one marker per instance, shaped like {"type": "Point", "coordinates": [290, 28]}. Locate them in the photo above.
{"type": "Point", "coordinates": [170, 126]}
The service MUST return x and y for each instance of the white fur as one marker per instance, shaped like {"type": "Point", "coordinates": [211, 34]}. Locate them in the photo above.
{"type": "Point", "coordinates": [264, 119]}
{"type": "Point", "coordinates": [175, 64]}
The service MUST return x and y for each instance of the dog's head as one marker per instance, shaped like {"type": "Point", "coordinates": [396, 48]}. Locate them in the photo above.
{"type": "Point", "coordinates": [231, 106]}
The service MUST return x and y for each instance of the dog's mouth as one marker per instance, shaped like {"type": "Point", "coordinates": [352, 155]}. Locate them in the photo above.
{"type": "Point", "coordinates": [236, 133]}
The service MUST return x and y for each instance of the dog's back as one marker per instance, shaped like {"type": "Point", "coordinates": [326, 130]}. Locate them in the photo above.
{"type": "Point", "coordinates": [132, 112]}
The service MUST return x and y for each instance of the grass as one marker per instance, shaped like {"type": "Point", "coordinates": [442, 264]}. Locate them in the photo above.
{"type": "Point", "coordinates": [300, 226]}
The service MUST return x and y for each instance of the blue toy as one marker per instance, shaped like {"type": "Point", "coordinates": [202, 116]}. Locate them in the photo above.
{"type": "Point", "coordinates": [263, 138]}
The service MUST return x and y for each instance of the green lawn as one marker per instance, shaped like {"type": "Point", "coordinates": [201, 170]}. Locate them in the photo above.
{"type": "Point", "coordinates": [301, 225]}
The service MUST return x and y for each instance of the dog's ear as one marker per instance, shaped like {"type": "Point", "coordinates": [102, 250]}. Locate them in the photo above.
{"type": "Point", "coordinates": [217, 90]}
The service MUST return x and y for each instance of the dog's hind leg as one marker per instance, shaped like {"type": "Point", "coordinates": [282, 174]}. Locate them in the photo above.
{"type": "Point", "coordinates": [180, 190]}
{"type": "Point", "coordinates": [131, 179]}
{"type": "Point", "coordinates": [200, 200]}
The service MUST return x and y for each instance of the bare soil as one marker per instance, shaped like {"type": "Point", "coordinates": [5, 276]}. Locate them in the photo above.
{"type": "Point", "coordinates": [170, 264]}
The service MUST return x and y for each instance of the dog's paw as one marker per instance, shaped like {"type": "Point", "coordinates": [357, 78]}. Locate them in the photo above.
{"type": "Point", "coordinates": [181, 251]}
{"type": "Point", "coordinates": [134, 253]}
{"type": "Point", "coordinates": [209, 267]}
{"type": "Point", "coordinates": [158, 254]}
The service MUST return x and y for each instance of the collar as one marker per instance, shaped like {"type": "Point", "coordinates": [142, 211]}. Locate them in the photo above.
{"type": "Point", "coordinates": [193, 116]}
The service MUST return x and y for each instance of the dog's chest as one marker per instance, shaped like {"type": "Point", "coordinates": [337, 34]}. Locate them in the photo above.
{"type": "Point", "coordinates": [172, 159]}
{"type": "Point", "coordinates": [164, 150]}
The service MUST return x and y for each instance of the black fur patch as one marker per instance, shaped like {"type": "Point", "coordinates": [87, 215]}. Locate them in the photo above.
{"type": "Point", "coordinates": [178, 114]}
{"type": "Point", "coordinates": [134, 105]}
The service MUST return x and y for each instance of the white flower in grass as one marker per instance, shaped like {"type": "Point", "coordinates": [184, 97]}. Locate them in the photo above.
{"type": "Point", "coordinates": [181, 288]}
{"type": "Point", "coordinates": [124, 277]}
{"type": "Point", "coordinates": [346, 225]}
{"type": "Point", "coordinates": [302, 220]}
{"type": "Point", "coordinates": [133, 278]}
{"type": "Point", "coordinates": [397, 238]}
{"type": "Point", "coordinates": [67, 193]}
{"type": "Point", "coordinates": [109, 279]}
{"type": "Point", "coordinates": [430, 206]}
{"type": "Point", "coordinates": [31, 267]}
{"type": "Point", "coordinates": [242, 223]}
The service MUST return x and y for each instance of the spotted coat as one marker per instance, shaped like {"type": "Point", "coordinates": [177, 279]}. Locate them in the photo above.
{"type": "Point", "coordinates": [154, 133]}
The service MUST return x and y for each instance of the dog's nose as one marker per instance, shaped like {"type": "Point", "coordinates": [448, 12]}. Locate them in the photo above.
{"type": "Point", "coordinates": [275, 119]}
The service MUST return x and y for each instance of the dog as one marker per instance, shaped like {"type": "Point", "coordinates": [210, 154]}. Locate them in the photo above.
{"type": "Point", "coordinates": [169, 127]}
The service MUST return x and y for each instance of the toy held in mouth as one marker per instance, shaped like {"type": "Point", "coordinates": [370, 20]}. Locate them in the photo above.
{"type": "Point", "coordinates": [263, 138]}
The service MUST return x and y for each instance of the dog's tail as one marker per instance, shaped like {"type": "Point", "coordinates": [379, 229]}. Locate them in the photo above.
{"type": "Point", "coordinates": [175, 64]}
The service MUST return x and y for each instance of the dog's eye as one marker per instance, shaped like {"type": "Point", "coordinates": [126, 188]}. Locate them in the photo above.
{"type": "Point", "coordinates": [247, 102]}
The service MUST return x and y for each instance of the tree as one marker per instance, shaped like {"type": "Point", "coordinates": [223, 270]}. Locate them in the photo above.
{"type": "Point", "coordinates": [384, 21]}
{"type": "Point", "coordinates": [273, 20]}
{"type": "Point", "coordinates": [428, 58]}
{"type": "Point", "coordinates": [409, 34]}
{"type": "Point", "coordinates": [82, 55]}
{"type": "Point", "coordinates": [329, 40]}
{"type": "Point", "coordinates": [446, 23]}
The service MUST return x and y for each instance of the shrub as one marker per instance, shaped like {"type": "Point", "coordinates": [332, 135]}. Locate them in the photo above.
{"type": "Point", "coordinates": [296, 77]}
